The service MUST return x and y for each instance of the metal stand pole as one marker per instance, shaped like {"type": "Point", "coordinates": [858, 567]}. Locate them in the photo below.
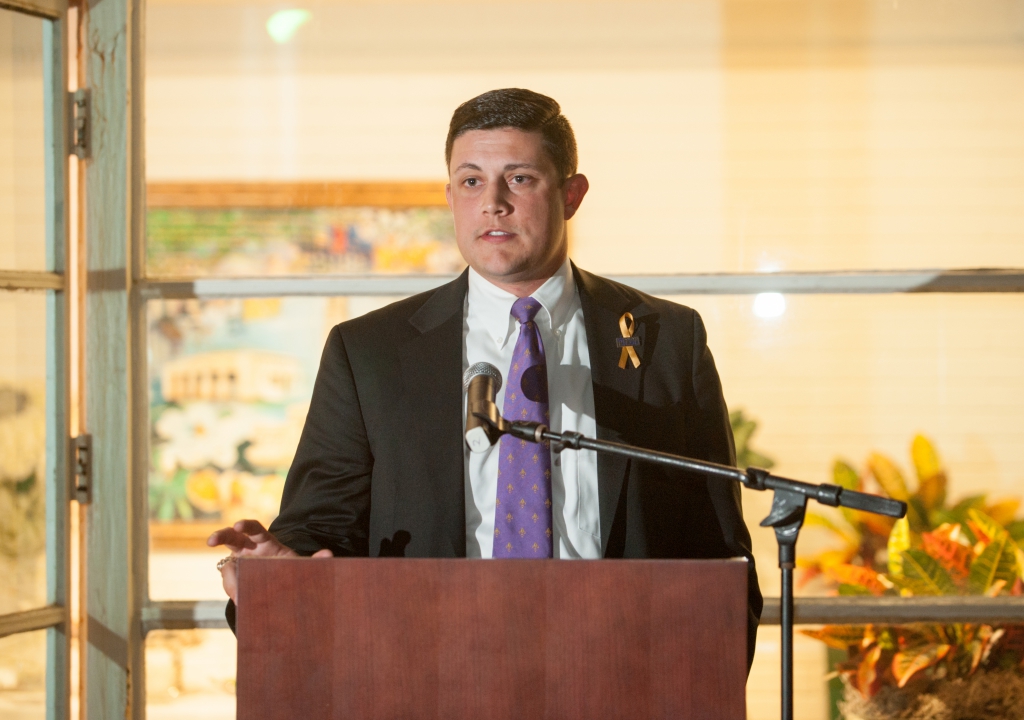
{"type": "Point", "coordinates": [787, 516]}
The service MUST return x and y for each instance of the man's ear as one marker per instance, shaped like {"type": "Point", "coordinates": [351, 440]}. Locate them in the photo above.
{"type": "Point", "coordinates": [573, 191]}
{"type": "Point", "coordinates": [448, 195]}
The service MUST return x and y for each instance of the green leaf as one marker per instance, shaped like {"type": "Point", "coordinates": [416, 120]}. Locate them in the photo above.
{"type": "Point", "coordinates": [846, 589]}
{"type": "Point", "coordinates": [957, 515]}
{"type": "Point", "coordinates": [997, 562]}
{"type": "Point", "coordinates": [917, 514]}
{"type": "Point", "coordinates": [845, 476]}
{"type": "Point", "coordinates": [924, 575]}
{"type": "Point", "coordinates": [899, 541]}
{"type": "Point", "coordinates": [1016, 530]}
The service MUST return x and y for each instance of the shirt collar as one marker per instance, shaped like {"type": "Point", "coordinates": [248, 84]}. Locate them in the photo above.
{"type": "Point", "coordinates": [493, 306]}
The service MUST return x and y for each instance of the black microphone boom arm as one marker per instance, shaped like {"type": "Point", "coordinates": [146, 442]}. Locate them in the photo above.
{"type": "Point", "coordinates": [753, 478]}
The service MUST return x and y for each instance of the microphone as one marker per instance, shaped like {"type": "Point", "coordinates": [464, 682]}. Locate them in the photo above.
{"type": "Point", "coordinates": [481, 383]}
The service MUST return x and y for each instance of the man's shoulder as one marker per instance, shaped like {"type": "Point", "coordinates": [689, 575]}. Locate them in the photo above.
{"type": "Point", "coordinates": [416, 313]}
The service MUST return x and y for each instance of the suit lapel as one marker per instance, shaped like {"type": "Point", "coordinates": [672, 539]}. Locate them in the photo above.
{"type": "Point", "coordinates": [616, 390]}
{"type": "Point", "coordinates": [431, 364]}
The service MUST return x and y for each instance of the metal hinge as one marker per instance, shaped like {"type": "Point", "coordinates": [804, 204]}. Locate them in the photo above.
{"type": "Point", "coordinates": [81, 454]}
{"type": "Point", "coordinates": [80, 122]}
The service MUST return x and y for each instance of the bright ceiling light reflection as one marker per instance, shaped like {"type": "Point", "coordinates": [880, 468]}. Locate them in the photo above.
{"type": "Point", "coordinates": [769, 305]}
{"type": "Point", "coordinates": [283, 24]}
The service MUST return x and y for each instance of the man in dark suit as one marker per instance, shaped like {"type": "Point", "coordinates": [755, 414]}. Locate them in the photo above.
{"type": "Point", "coordinates": [382, 468]}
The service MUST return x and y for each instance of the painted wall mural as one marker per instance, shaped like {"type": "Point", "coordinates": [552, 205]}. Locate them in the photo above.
{"type": "Point", "coordinates": [230, 382]}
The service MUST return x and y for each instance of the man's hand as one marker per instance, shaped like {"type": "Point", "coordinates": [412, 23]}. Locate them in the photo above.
{"type": "Point", "coordinates": [248, 538]}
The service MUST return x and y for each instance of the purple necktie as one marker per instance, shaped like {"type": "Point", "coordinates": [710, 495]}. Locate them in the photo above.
{"type": "Point", "coordinates": [522, 513]}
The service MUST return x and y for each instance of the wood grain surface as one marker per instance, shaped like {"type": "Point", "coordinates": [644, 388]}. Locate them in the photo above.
{"type": "Point", "coordinates": [495, 639]}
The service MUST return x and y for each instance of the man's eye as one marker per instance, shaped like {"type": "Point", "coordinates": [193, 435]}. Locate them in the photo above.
{"type": "Point", "coordinates": [519, 179]}
{"type": "Point", "coordinates": [471, 182]}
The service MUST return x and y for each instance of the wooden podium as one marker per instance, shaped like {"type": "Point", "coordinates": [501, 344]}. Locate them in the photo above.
{"type": "Point", "coordinates": [362, 638]}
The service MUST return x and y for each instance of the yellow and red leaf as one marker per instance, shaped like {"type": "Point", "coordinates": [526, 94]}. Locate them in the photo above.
{"type": "Point", "coordinates": [943, 544]}
{"type": "Point", "coordinates": [840, 637]}
{"type": "Point", "coordinates": [905, 664]}
{"type": "Point", "coordinates": [856, 575]}
{"type": "Point", "coordinates": [899, 540]}
{"type": "Point", "coordinates": [867, 679]}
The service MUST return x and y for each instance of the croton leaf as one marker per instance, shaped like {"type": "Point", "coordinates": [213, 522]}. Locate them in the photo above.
{"type": "Point", "coordinates": [1003, 511]}
{"type": "Point", "coordinates": [847, 590]}
{"type": "Point", "coordinates": [857, 576]}
{"type": "Point", "coordinates": [958, 513]}
{"type": "Point", "coordinates": [1016, 530]}
{"type": "Point", "coordinates": [997, 562]}
{"type": "Point", "coordinates": [931, 480]}
{"type": "Point", "coordinates": [845, 476]}
{"type": "Point", "coordinates": [944, 544]}
{"type": "Point", "coordinates": [913, 660]}
{"type": "Point", "coordinates": [931, 491]}
{"type": "Point", "coordinates": [870, 522]}
{"type": "Point", "coordinates": [867, 671]}
{"type": "Point", "coordinates": [813, 519]}
{"type": "Point", "coordinates": [984, 527]}
{"type": "Point", "coordinates": [926, 459]}
{"type": "Point", "coordinates": [888, 476]}
{"type": "Point", "coordinates": [923, 575]}
{"type": "Point", "coordinates": [840, 637]}
{"type": "Point", "coordinates": [899, 540]}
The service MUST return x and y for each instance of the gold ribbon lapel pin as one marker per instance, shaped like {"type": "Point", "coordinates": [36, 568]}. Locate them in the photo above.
{"type": "Point", "coordinates": [627, 342]}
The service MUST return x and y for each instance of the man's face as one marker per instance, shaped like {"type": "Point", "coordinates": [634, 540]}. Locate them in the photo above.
{"type": "Point", "coordinates": [510, 207]}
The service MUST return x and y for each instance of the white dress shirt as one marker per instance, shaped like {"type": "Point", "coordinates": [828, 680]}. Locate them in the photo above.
{"type": "Point", "coordinates": [490, 333]}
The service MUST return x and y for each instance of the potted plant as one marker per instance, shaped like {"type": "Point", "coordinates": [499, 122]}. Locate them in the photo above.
{"type": "Point", "coordinates": [925, 671]}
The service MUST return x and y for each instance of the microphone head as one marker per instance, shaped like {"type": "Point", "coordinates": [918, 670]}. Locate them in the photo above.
{"type": "Point", "coordinates": [481, 368]}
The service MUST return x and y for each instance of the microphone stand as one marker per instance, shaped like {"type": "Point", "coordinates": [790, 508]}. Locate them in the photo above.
{"type": "Point", "coordinates": [787, 514]}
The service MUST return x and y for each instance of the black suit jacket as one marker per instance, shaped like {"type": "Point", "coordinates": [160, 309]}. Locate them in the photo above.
{"type": "Point", "coordinates": [379, 468]}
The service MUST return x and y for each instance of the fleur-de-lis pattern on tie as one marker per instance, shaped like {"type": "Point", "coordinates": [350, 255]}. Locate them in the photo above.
{"type": "Point", "coordinates": [522, 519]}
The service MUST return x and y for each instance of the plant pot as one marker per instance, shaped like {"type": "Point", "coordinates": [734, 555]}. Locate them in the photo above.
{"type": "Point", "coordinates": [986, 695]}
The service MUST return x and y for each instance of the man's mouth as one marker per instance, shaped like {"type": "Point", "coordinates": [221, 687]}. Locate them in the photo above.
{"type": "Point", "coordinates": [497, 234]}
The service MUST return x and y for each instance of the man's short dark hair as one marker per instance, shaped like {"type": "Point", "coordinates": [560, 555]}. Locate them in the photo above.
{"type": "Point", "coordinates": [521, 109]}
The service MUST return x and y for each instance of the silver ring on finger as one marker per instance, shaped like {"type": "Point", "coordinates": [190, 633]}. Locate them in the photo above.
{"type": "Point", "coordinates": [224, 561]}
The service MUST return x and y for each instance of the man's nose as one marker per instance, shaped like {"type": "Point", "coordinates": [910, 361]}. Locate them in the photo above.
{"type": "Point", "coordinates": [496, 199]}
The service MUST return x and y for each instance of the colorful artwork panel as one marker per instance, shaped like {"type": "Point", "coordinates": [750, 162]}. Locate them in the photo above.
{"type": "Point", "coordinates": [243, 242]}
{"type": "Point", "coordinates": [230, 382]}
